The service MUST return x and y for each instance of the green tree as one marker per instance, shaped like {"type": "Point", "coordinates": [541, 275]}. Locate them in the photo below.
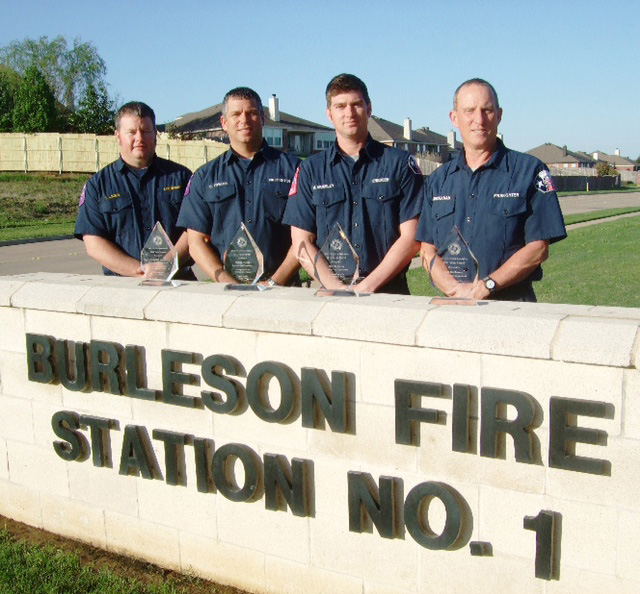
{"type": "Point", "coordinates": [95, 112]}
{"type": "Point", "coordinates": [8, 90]}
{"type": "Point", "coordinates": [68, 70]}
{"type": "Point", "coordinates": [603, 169]}
{"type": "Point", "coordinates": [35, 105]}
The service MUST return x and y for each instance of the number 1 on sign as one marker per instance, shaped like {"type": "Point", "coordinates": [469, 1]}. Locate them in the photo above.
{"type": "Point", "coordinates": [548, 528]}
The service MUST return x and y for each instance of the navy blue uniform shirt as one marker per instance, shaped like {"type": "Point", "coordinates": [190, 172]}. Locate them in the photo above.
{"type": "Point", "coordinates": [499, 208]}
{"type": "Point", "coordinates": [225, 192]}
{"type": "Point", "coordinates": [123, 205]}
{"type": "Point", "coordinates": [369, 198]}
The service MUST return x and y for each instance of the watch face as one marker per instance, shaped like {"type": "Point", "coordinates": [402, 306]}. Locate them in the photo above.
{"type": "Point", "coordinates": [490, 284]}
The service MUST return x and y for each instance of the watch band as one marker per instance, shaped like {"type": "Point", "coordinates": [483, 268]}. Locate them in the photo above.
{"type": "Point", "coordinates": [490, 284]}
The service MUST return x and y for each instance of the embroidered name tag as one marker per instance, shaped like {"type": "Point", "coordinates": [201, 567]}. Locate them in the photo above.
{"type": "Point", "coordinates": [218, 184]}
{"type": "Point", "coordinates": [171, 188]}
{"type": "Point", "coordinates": [438, 198]}
{"type": "Point", "coordinates": [279, 180]}
{"type": "Point", "coordinates": [508, 195]}
{"type": "Point", "coordinates": [379, 180]}
{"type": "Point", "coordinates": [112, 196]}
{"type": "Point", "coordinates": [323, 187]}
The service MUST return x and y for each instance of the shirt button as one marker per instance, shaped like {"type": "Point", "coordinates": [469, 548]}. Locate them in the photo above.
{"type": "Point", "coordinates": [354, 182]}
{"type": "Point", "coordinates": [355, 203]}
{"type": "Point", "coordinates": [473, 196]}
{"type": "Point", "coordinates": [357, 245]}
{"type": "Point", "coordinates": [468, 219]}
{"type": "Point", "coordinates": [249, 220]}
{"type": "Point", "coordinates": [356, 224]}
{"type": "Point", "coordinates": [248, 182]}
{"type": "Point", "coordinates": [325, 202]}
{"type": "Point", "coordinates": [505, 212]}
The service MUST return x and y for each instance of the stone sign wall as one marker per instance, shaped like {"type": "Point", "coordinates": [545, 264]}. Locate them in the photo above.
{"type": "Point", "coordinates": [283, 442]}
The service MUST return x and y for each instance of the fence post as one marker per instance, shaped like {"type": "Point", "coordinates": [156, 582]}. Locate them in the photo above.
{"type": "Point", "coordinates": [25, 153]}
{"type": "Point", "coordinates": [204, 151]}
{"type": "Point", "coordinates": [96, 147]}
{"type": "Point", "coordinates": [60, 154]}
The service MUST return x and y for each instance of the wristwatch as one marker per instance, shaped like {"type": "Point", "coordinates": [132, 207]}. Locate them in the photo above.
{"type": "Point", "coordinates": [271, 282]}
{"type": "Point", "coordinates": [490, 284]}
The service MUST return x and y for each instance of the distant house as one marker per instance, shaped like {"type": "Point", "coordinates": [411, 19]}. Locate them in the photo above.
{"type": "Point", "coordinates": [615, 160]}
{"type": "Point", "coordinates": [281, 130]}
{"type": "Point", "coordinates": [559, 157]}
{"type": "Point", "coordinates": [434, 147]}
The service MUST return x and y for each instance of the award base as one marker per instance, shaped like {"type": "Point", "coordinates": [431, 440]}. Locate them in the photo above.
{"type": "Point", "coordinates": [339, 293]}
{"type": "Point", "coordinates": [160, 283]}
{"type": "Point", "coordinates": [453, 301]}
{"type": "Point", "coordinates": [231, 287]}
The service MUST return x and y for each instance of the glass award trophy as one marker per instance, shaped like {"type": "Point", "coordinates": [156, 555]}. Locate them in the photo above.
{"type": "Point", "coordinates": [460, 262]}
{"type": "Point", "coordinates": [159, 258]}
{"type": "Point", "coordinates": [336, 265]}
{"type": "Point", "coordinates": [244, 261]}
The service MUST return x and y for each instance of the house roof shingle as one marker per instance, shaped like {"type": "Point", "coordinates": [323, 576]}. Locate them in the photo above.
{"type": "Point", "coordinates": [209, 119]}
{"type": "Point", "coordinates": [551, 153]}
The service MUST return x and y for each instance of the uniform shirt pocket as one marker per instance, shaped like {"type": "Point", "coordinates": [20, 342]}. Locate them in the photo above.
{"type": "Point", "coordinates": [223, 207]}
{"type": "Point", "coordinates": [275, 199]}
{"type": "Point", "coordinates": [119, 219]}
{"type": "Point", "coordinates": [330, 209]}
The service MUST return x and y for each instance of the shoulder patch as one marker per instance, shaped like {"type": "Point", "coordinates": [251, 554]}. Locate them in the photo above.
{"type": "Point", "coordinates": [293, 190]}
{"type": "Point", "coordinates": [413, 165]}
{"type": "Point", "coordinates": [544, 182]}
{"type": "Point", "coordinates": [84, 188]}
{"type": "Point", "coordinates": [186, 192]}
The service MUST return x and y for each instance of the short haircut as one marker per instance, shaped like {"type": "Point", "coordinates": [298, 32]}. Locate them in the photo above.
{"type": "Point", "coordinates": [136, 108]}
{"type": "Point", "coordinates": [476, 81]}
{"type": "Point", "coordinates": [242, 93]}
{"type": "Point", "coordinates": [346, 83]}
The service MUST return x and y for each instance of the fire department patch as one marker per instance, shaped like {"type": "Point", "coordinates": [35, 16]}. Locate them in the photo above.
{"type": "Point", "coordinates": [186, 191]}
{"type": "Point", "coordinates": [413, 165]}
{"type": "Point", "coordinates": [293, 190]}
{"type": "Point", "coordinates": [544, 182]}
{"type": "Point", "coordinates": [82, 196]}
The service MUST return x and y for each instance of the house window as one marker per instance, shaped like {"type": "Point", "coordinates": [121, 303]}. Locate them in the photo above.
{"type": "Point", "coordinates": [273, 136]}
{"type": "Point", "coordinates": [323, 140]}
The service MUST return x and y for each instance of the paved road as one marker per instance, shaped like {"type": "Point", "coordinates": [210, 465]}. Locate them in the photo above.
{"type": "Point", "coordinates": [69, 256]}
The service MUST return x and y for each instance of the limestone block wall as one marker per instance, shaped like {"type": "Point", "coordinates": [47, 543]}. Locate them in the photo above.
{"type": "Point", "coordinates": [283, 442]}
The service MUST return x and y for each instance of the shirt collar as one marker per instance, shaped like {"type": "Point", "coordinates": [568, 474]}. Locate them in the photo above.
{"type": "Point", "coordinates": [371, 150]}
{"type": "Point", "coordinates": [266, 152]}
{"type": "Point", "coordinates": [155, 164]}
{"type": "Point", "coordinates": [498, 159]}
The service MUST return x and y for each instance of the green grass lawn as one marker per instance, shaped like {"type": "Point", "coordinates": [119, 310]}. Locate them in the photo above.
{"type": "Point", "coordinates": [595, 265]}
{"type": "Point", "coordinates": [44, 569]}
{"type": "Point", "coordinates": [38, 205]}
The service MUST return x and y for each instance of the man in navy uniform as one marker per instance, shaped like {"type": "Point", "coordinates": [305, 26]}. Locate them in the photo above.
{"type": "Point", "coordinates": [120, 205]}
{"type": "Point", "coordinates": [503, 202]}
{"type": "Point", "coordinates": [370, 189]}
{"type": "Point", "coordinates": [248, 184]}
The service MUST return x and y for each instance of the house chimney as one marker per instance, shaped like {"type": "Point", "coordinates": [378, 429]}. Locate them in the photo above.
{"type": "Point", "coordinates": [596, 155]}
{"type": "Point", "coordinates": [564, 150]}
{"type": "Point", "coordinates": [451, 139]}
{"type": "Point", "coordinates": [616, 152]}
{"type": "Point", "coordinates": [274, 108]}
{"type": "Point", "coordinates": [407, 128]}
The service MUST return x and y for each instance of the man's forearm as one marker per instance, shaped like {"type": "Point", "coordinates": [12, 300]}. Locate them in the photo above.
{"type": "Point", "coordinates": [287, 268]}
{"type": "Point", "coordinates": [395, 260]}
{"type": "Point", "coordinates": [109, 255]}
{"type": "Point", "coordinates": [203, 254]}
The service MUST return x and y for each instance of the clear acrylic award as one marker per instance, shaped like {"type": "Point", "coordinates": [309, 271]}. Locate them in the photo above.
{"type": "Point", "coordinates": [244, 261]}
{"type": "Point", "coordinates": [336, 265]}
{"type": "Point", "coordinates": [159, 258]}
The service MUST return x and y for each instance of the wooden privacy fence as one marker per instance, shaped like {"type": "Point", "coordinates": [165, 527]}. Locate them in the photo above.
{"type": "Point", "coordinates": [88, 153]}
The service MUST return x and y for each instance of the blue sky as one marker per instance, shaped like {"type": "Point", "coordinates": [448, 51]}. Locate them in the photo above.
{"type": "Point", "coordinates": [567, 71]}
